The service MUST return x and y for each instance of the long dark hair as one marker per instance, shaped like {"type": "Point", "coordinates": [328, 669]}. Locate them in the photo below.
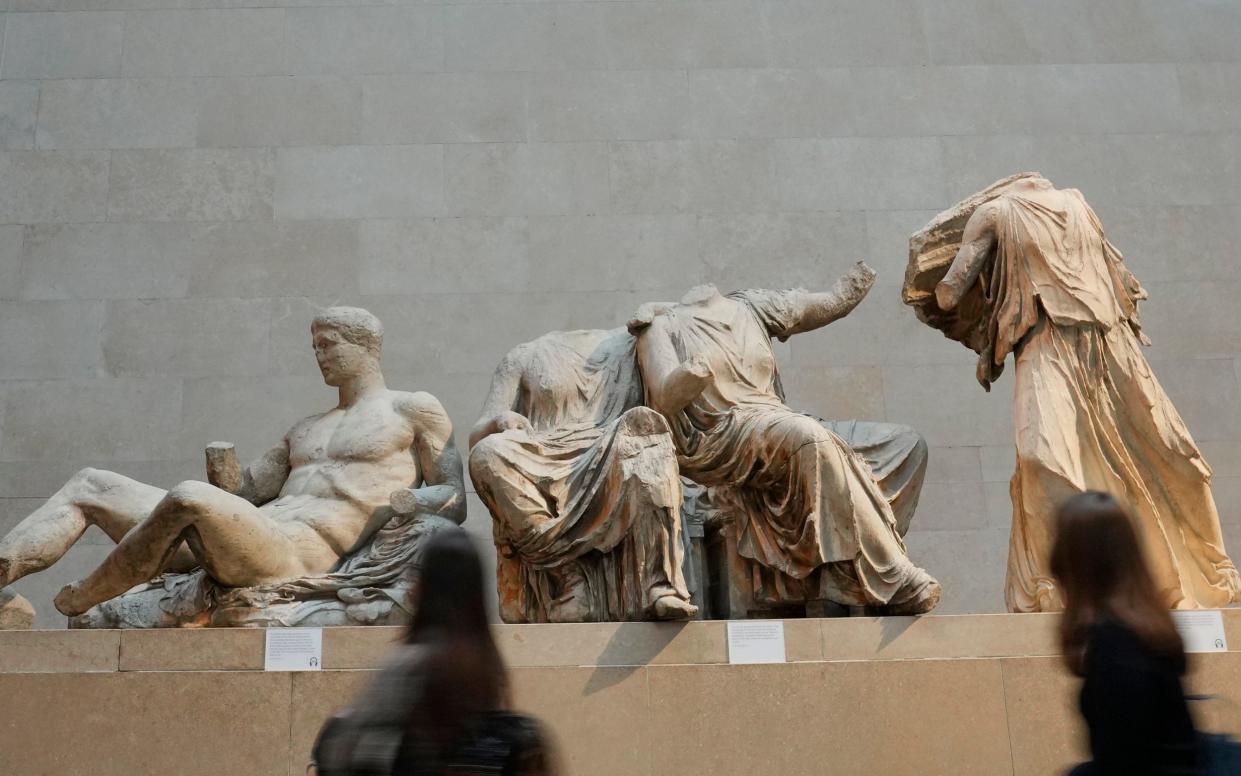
{"type": "Point", "coordinates": [465, 674]}
{"type": "Point", "coordinates": [1103, 574]}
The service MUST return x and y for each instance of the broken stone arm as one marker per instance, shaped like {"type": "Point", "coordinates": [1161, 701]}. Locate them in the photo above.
{"type": "Point", "coordinates": [259, 482]}
{"type": "Point", "coordinates": [499, 412]}
{"type": "Point", "coordinates": [671, 383]}
{"type": "Point", "coordinates": [976, 243]}
{"type": "Point", "coordinates": [817, 309]}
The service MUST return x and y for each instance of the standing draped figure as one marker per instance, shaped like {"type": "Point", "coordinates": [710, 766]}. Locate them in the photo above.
{"type": "Point", "coordinates": [1030, 272]}
{"type": "Point", "coordinates": [582, 485]}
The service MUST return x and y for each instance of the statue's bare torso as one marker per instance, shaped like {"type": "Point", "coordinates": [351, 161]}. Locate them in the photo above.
{"type": "Point", "coordinates": [343, 466]}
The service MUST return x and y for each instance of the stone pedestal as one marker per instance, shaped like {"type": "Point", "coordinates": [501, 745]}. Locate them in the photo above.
{"type": "Point", "coordinates": [16, 613]}
{"type": "Point", "coordinates": [931, 696]}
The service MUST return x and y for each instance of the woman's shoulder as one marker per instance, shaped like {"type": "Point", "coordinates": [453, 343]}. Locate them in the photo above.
{"type": "Point", "coordinates": [1112, 628]}
{"type": "Point", "coordinates": [1116, 643]}
{"type": "Point", "coordinates": [1114, 634]}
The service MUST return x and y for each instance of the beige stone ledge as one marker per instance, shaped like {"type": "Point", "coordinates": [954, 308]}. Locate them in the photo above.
{"type": "Point", "coordinates": [600, 644]}
{"type": "Point", "coordinates": [149, 722]}
{"type": "Point", "coordinates": [884, 717]}
{"type": "Point", "coordinates": [952, 636]}
{"type": "Point", "coordinates": [196, 649]}
{"type": "Point", "coordinates": [58, 651]}
{"type": "Point", "coordinates": [613, 644]}
{"type": "Point", "coordinates": [974, 715]}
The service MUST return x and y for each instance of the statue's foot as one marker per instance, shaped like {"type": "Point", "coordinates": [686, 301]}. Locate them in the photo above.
{"type": "Point", "coordinates": [69, 600]}
{"type": "Point", "coordinates": [571, 608]}
{"type": "Point", "coordinates": [1233, 582]}
{"type": "Point", "coordinates": [1047, 596]}
{"type": "Point", "coordinates": [924, 601]}
{"type": "Point", "coordinates": [573, 603]}
{"type": "Point", "coordinates": [671, 607]}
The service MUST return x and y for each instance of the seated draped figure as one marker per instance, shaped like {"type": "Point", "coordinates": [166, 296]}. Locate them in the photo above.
{"type": "Point", "coordinates": [320, 530]}
{"type": "Point", "coordinates": [582, 485]}
{"type": "Point", "coordinates": [816, 509]}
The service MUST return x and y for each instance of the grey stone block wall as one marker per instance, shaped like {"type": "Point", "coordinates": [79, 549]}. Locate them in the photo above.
{"type": "Point", "coordinates": [183, 182]}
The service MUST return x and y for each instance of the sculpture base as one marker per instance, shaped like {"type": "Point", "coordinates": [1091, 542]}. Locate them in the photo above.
{"type": "Point", "coordinates": [370, 587]}
{"type": "Point", "coordinates": [16, 613]}
{"type": "Point", "coordinates": [976, 694]}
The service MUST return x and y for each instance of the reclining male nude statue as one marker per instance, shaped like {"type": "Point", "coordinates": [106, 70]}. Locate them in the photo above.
{"type": "Point", "coordinates": [581, 482]}
{"type": "Point", "coordinates": [813, 503]}
{"type": "Point", "coordinates": [368, 477]}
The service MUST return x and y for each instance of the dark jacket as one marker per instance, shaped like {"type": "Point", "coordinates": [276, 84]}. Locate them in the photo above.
{"type": "Point", "coordinates": [375, 737]}
{"type": "Point", "coordinates": [1135, 708]}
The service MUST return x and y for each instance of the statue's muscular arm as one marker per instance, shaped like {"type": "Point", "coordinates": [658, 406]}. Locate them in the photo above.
{"type": "Point", "coordinates": [977, 243]}
{"type": "Point", "coordinates": [671, 383]}
{"type": "Point", "coordinates": [442, 489]}
{"type": "Point", "coordinates": [499, 410]}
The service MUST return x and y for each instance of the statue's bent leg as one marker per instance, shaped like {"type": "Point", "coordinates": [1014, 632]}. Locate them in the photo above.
{"type": "Point", "coordinates": [650, 500]}
{"type": "Point", "coordinates": [111, 501]}
{"type": "Point", "coordinates": [897, 457]}
{"type": "Point", "coordinates": [519, 510]}
{"type": "Point", "coordinates": [514, 500]}
{"type": "Point", "coordinates": [563, 558]}
{"type": "Point", "coordinates": [854, 542]}
{"type": "Point", "coordinates": [236, 543]}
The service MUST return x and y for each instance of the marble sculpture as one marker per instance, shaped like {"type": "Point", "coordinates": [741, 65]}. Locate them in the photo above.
{"type": "Point", "coordinates": [1024, 268]}
{"type": "Point", "coordinates": [320, 530]}
{"type": "Point", "coordinates": [581, 481]}
{"type": "Point", "coordinates": [813, 505]}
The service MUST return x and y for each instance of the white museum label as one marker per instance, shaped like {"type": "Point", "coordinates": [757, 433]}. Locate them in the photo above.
{"type": "Point", "coordinates": [294, 649]}
{"type": "Point", "coordinates": [1202, 631]}
{"type": "Point", "coordinates": [756, 641]}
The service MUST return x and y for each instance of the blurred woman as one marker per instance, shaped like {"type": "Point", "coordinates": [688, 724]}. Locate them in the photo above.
{"type": "Point", "coordinates": [438, 705]}
{"type": "Point", "coordinates": [1118, 635]}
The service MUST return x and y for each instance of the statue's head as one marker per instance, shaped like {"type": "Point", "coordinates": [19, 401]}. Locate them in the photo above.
{"type": "Point", "coordinates": [347, 342]}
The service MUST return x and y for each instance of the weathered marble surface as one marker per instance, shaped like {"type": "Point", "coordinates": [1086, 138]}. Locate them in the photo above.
{"type": "Point", "coordinates": [582, 483]}
{"type": "Point", "coordinates": [807, 514]}
{"type": "Point", "coordinates": [16, 613]}
{"type": "Point", "coordinates": [263, 545]}
{"type": "Point", "coordinates": [1023, 268]}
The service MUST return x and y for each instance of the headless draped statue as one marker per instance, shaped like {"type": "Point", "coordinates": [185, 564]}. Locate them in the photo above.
{"type": "Point", "coordinates": [1024, 268]}
{"type": "Point", "coordinates": [815, 519]}
{"type": "Point", "coordinates": [582, 485]}
{"type": "Point", "coordinates": [333, 510]}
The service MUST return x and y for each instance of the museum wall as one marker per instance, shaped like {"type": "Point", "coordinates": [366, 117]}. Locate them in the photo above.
{"type": "Point", "coordinates": [183, 183]}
